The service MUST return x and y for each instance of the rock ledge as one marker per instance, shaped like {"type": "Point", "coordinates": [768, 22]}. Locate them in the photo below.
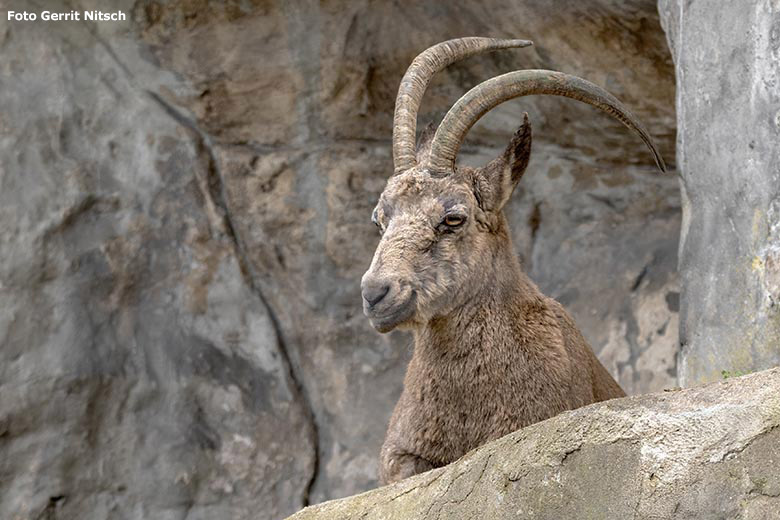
{"type": "Point", "coordinates": [707, 452]}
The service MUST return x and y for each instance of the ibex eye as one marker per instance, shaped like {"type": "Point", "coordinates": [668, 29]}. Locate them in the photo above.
{"type": "Point", "coordinates": [454, 220]}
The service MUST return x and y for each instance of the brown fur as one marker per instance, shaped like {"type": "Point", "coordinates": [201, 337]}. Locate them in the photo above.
{"type": "Point", "coordinates": [492, 353]}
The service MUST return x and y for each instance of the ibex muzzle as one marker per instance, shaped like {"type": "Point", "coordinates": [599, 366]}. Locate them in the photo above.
{"type": "Point", "coordinates": [387, 301]}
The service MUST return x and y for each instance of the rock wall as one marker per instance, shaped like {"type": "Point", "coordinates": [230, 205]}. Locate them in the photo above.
{"type": "Point", "coordinates": [708, 452]}
{"type": "Point", "coordinates": [185, 205]}
{"type": "Point", "coordinates": [728, 78]}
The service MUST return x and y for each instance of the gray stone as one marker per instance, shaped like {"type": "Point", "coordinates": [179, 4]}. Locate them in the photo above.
{"type": "Point", "coordinates": [727, 57]}
{"type": "Point", "coordinates": [708, 452]}
{"type": "Point", "coordinates": [140, 372]}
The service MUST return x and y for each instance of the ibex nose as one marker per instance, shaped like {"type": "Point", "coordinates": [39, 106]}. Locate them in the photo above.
{"type": "Point", "coordinates": [374, 291]}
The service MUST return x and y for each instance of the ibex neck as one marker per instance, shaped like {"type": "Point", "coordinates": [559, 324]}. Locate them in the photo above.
{"type": "Point", "coordinates": [499, 302]}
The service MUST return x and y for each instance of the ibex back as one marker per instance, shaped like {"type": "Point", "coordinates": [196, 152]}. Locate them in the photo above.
{"type": "Point", "coordinates": [492, 354]}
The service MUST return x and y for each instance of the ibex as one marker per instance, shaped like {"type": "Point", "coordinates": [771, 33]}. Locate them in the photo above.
{"type": "Point", "coordinates": [492, 354]}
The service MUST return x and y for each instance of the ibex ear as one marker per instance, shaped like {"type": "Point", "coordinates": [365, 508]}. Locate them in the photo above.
{"type": "Point", "coordinates": [424, 143]}
{"type": "Point", "coordinates": [494, 184]}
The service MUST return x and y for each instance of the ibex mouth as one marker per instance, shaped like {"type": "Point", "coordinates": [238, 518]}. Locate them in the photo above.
{"type": "Point", "coordinates": [390, 319]}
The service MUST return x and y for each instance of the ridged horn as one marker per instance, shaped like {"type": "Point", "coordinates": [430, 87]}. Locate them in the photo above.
{"type": "Point", "coordinates": [415, 81]}
{"type": "Point", "coordinates": [491, 93]}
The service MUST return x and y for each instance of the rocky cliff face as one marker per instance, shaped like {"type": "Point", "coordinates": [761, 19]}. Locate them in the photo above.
{"type": "Point", "coordinates": [708, 452]}
{"type": "Point", "coordinates": [729, 125]}
{"type": "Point", "coordinates": [185, 205]}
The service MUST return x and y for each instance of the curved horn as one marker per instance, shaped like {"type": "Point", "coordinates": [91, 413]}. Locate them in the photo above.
{"type": "Point", "coordinates": [491, 93]}
{"type": "Point", "coordinates": [416, 79]}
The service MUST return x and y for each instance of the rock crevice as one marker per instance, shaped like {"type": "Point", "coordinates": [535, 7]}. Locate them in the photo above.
{"type": "Point", "coordinates": [216, 194]}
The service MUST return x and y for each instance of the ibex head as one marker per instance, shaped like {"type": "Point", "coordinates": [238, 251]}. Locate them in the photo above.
{"type": "Point", "coordinates": [442, 226]}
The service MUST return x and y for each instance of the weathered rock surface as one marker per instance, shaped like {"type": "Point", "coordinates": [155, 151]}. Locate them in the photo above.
{"type": "Point", "coordinates": [184, 220]}
{"type": "Point", "coordinates": [141, 375]}
{"type": "Point", "coordinates": [709, 452]}
{"type": "Point", "coordinates": [728, 75]}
